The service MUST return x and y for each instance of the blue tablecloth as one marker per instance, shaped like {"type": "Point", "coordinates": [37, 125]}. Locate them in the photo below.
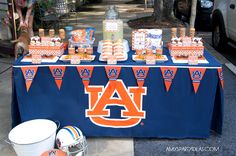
{"type": "Point", "coordinates": [179, 113]}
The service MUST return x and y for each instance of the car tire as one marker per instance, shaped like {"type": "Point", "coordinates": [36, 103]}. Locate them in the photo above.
{"type": "Point", "coordinates": [219, 38]}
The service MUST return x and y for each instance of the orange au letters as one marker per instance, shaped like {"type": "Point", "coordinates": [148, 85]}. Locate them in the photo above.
{"type": "Point", "coordinates": [131, 99]}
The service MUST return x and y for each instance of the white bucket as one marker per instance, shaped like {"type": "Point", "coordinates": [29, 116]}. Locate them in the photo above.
{"type": "Point", "coordinates": [34, 137]}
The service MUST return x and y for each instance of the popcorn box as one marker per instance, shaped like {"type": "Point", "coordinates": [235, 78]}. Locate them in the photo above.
{"type": "Point", "coordinates": [46, 50]}
{"type": "Point", "coordinates": [176, 50]}
{"type": "Point", "coordinates": [79, 35]}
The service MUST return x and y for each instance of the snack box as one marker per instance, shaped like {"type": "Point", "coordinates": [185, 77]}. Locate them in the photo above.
{"type": "Point", "coordinates": [56, 50]}
{"type": "Point", "coordinates": [185, 50]}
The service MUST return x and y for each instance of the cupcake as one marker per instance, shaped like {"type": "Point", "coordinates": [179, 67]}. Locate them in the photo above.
{"type": "Point", "coordinates": [80, 50]}
{"type": "Point", "coordinates": [139, 52]}
{"type": "Point", "coordinates": [200, 43]}
{"type": "Point", "coordinates": [37, 38]}
{"type": "Point", "coordinates": [52, 43]}
{"type": "Point", "coordinates": [180, 43]}
{"type": "Point", "coordinates": [149, 52]}
{"type": "Point", "coordinates": [32, 42]}
{"type": "Point", "coordinates": [58, 41]}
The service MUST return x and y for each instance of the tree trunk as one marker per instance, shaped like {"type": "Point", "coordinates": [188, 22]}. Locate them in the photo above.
{"type": "Point", "coordinates": [193, 13]}
{"type": "Point", "coordinates": [158, 10]}
{"type": "Point", "coordinates": [168, 9]}
{"type": "Point", "coordinates": [163, 9]}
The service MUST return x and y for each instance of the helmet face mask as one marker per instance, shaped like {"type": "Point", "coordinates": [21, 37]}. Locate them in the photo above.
{"type": "Point", "coordinates": [71, 140]}
{"type": "Point", "coordinates": [79, 149]}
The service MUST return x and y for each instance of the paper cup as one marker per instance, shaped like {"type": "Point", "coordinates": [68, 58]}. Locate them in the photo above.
{"type": "Point", "coordinates": [41, 33]}
{"type": "Point", "coordinates": [71, 51]}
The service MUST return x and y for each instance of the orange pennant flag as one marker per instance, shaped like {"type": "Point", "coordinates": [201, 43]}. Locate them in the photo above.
{"type": "Point", "coordinates": [196, 76]}
{"type": "Point", "coordinates": [140, 74]}
{"type": "Point", "coordinates": [168, 84]}
{"type": "Point", "coordinates": [85, 82]}
{"type": "Point", "coordinates": [85, 74]}
{"type": "Point", "coordinates": [58, 74]}
{"type": "Point", "coordinates": [29, 74]}
{"type": "Point", "coordinates": [168, 74]}
{"type": "Point", "coordinates": [113, 72]}
{"type": "Point", "coordinates": [140, 82]}
{"type": "Point", "coordinates": [221, 76]}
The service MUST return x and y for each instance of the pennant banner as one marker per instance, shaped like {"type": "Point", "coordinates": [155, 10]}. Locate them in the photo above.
{"type": "Point", "coordinates": [29, 74]}
{"type": "Point", "coordinates": [221, 76]}
{"type": "Point", "coordinates": [168, 74]}
{"type": "Point", "coordinates": [140, 74]}
{"type": "Point", "coordinates": [113, 72]}
{"type": "Point", "coordinates": [85, 73]}
{"type": "Point", "coordinates": [196, 76]}
{"type": "Point", "coordinates": [58, 73]}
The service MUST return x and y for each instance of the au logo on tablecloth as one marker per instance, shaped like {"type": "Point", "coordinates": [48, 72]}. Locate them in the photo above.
{"type": "Point", "coordinates": [168, 74]}
{"type": "Point", "coordinates": [140, 74]}
{"type": "Point", "coordinates": [196, 75]}
{"type": "Point", "coordinates": [29, 74]}
{"type": "Point", "coordinates": [85, 74]}
{"type": "Point", "coordinates": [113, 72]}
{"type": "Point", "coordinates": [101, 97]}
{"type": "Point", "coordinates": [58, 74]}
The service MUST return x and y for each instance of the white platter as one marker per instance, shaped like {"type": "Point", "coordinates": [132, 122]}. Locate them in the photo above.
{"type": "Point", "coordinates": [120, 60]}
{"type": "Point", "coordinates": [202, 61]}
{"type": "Point", "coordinates": [164, 59]}
{"type": "Point", "coordinates": [44, 59]}
{"type": "Point", "coordinates": [64, 59]}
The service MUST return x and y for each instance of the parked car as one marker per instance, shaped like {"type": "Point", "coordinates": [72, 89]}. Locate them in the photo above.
{"type": "Point", "coordinates": [224, 23]}
{"type": "Point", "coordinates": [182, 8]}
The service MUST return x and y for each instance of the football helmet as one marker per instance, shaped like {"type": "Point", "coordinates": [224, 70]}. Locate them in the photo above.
{"type": "Point", "coordinates": [71, 140]}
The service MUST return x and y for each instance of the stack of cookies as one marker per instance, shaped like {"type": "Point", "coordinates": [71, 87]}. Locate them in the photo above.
{"type": "Point", "coordinates": [118, 49]}
{"type": "Point", "coordinates": [107, 49]}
